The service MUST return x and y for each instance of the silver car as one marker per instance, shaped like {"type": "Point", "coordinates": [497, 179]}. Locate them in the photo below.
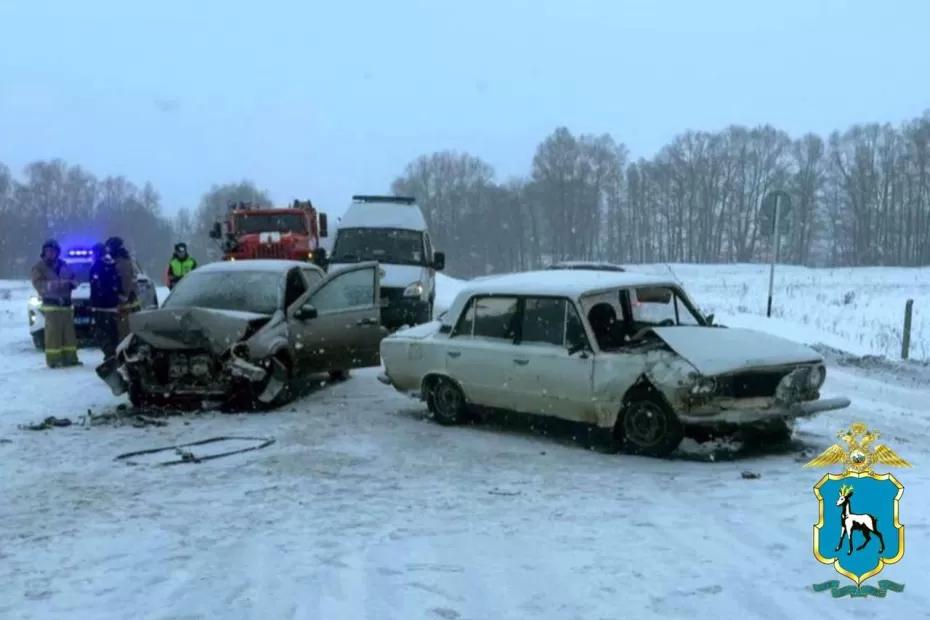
{"type": "Point", "coordinates": [244, 332]}
{"type": "Point", "coordinates": [624, 353]}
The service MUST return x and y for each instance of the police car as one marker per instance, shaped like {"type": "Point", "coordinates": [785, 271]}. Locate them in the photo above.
{"type": "Point", "coordinates": [80, 261]}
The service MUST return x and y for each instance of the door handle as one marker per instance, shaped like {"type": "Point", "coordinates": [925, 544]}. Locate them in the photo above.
{"type": "Point", "coordinates": [367, 321]}
{"type": "Point", "coordinates": [454, 353]}
{"type": "Point", "coordinates": [521, 362]}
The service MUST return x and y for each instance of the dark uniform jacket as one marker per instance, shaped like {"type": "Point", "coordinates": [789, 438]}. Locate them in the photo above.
{"type": "Point", "coordinates": [105, 284]}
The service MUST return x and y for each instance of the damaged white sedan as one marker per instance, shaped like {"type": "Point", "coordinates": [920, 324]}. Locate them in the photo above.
{"type": "Point", "coordinates": [623, 352]}
{"type": "Point", "coordinates": [243, 333]}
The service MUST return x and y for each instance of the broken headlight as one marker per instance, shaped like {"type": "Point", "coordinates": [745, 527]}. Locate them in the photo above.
{"type": "Point", "coordinates": [816, 377]}
{"type": "Point", "coordinates": [704, 386]}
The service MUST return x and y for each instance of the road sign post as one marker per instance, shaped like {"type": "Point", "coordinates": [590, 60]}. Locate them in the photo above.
{"type": "Point", "coordinates": [778, 202]}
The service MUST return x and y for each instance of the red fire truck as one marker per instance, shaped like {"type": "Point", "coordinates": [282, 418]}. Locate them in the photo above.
{"type": "Point", "coordinates": [292, 233]}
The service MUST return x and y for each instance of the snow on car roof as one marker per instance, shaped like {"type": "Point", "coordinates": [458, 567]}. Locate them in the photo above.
{"type": "Point", "coordinates": [275, 266]}
{"type": "Point", "coordinates": [584, 264]}
{"type": "Point", "coordinates": [383, 215]}
{"type": "Point", "coordinates": [567, 282]}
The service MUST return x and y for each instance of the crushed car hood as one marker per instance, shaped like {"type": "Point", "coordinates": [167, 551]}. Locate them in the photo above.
{"type": "Point", "coordinates": [193, 328]}
{"type": "Point", "coordinates": [715, 351]}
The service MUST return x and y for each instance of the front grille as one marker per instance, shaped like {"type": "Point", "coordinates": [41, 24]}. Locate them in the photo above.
{"type": "Point", "coordinates": [390, 294]}
{"type": "Point", "coordinates": [270, 251]}
{"type": "Point", "coordinates": [752, 384]}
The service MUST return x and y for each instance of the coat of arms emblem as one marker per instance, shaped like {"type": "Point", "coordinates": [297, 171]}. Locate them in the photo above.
{"type": "Point", "coordinates": [859, 531]}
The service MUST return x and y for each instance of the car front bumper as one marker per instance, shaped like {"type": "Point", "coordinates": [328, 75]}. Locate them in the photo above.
{"type": "Point", "coordinates": [749, 413]}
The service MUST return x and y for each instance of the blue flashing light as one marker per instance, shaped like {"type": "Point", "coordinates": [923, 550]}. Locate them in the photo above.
{"type": "Point", "coordinates": [79, 253]}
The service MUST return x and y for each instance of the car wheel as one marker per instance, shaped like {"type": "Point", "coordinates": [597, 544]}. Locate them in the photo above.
{"type": "Point", "coordinates": [338, 375]}
{"type": "Point", "coordinates": [446, 402]}
{"type": "Point", "coordinates": [275, 390]}
{"type": "Point", "coordinates": [137, 396]}
{"type": "Point", "coordinates": [38, 339]}
{"type": "Point", "coordinates": [649, 426]}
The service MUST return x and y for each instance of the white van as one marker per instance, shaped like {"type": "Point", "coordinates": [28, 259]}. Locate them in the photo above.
{"type": "Point", "coordinates": [392, 231]}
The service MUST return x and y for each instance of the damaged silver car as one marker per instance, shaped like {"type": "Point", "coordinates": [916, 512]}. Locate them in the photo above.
{"type": "Point", "coordinates": [246, 332]}
{"type": "Point", "coordinates": [618, 351]}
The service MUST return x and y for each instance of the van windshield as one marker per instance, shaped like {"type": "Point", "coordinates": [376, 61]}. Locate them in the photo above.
{"type": "Point", "coordinates": [385, 245]}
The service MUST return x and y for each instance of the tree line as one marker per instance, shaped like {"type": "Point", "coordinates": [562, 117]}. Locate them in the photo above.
{"type": "Point", "coordinates": [858, 197]}
{"type": "Point", "coordinates": [53, 199]}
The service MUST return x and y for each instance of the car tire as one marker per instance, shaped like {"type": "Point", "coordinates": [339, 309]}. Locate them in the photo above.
{"type": "Point", "coordinates": [282, 371]}
{"type": "Point", "coordinates": [446, 402]}
{"type": "Point", "coordinates": [648, 426]}
{"type": "Point", "coordinates": [336, 376]}
{"type": "Point", "coordinates": [38, 339]}
{"type": "Point", "coordinates": [137, 396]}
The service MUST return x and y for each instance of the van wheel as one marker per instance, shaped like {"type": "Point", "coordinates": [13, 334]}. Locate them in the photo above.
{"type": "Point", "coordinates": [648, 426]}
{"type": "Point", "coordinates": [446, 402]}
{"type": "Point", "coordinates": [336, 376]}
{"type": "Point", "coordinates": [38, 339]}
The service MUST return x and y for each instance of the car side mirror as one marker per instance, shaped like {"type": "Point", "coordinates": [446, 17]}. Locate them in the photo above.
{"type": "Point", "coordinates": [439, 261]}
{"type": "Point", "coordinates": [305, 313]}
{"type": "Point", "coordinates": [324, 228]}
{"type": "Point", "coordinates": [320, 257]}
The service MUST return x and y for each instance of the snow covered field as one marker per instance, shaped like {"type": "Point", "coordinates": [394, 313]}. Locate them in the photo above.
{"type": "Point", "coordinates": [365, 509]}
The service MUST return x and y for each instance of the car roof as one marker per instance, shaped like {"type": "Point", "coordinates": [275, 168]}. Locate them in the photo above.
{"type": "Point", "coordinates": [585, 265]}
{"type": "Point", "coordinates": [383, 215]}
{"type": "Point", "coordinates": [271, 266]}
{"type": "Point", "coordinates": [563, 282]}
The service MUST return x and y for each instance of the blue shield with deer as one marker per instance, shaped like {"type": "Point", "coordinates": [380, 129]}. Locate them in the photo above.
{"type": "Point", "coordinates": [859, 529]}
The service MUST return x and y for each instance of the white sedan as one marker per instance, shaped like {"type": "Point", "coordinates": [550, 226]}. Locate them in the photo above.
{"type": "Point", "coordinates": [619, 351]}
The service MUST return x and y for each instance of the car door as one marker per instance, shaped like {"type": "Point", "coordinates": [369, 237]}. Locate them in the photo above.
{"type": "Point", "coordinates": [480, 349]}
{"type": "Point", "coordinates": [553, 364]}
{"type": "Point", "coordinates": [336, 325]}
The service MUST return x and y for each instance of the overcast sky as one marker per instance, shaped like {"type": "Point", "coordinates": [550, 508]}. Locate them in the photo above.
{"type": "Point", "coordinates": [321, 100]}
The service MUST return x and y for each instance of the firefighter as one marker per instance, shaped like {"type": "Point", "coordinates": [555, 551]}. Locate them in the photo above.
{"type": "Point", "coordinates": [180, 265]}
{"type": "Point", "coordinates": [54, 281]}
{"type": "Point", "coordinates": [128, 295]}
{"type": "Point", "coordinates": [104, 299]}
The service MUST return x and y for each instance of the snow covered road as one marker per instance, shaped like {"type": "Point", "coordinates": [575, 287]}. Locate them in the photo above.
{"type": "Point", "coordinates": [365, 509]}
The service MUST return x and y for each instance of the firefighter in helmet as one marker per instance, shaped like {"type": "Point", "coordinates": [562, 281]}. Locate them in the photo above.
{"type": "Point", "coordinates": [180, 265]}
{"type": "Point", "coordinates": [54, 281]}
{"type": "Point", "coordinates": [128, 294]}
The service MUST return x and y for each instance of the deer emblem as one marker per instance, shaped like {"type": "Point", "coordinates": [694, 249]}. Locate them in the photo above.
{"type": "Point", "coordinates": [851, 522]}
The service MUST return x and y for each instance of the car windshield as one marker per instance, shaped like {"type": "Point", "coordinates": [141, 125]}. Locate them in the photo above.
{"type": "Point", "coordinates": [248, 291]}
{"type": "Point", "coordinates": [661, 305]}
{"type": "Point", "coordinates": [386, 245]}
{"type": "Point", "coordinates": [271, 222]}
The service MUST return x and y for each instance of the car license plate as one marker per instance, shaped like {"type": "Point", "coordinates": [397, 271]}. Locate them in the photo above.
{"type": "Point", "coordinates": [82, 320]}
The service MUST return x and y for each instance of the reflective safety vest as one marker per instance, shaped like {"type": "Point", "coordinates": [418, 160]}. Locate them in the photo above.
{"type": "Point", "coordinates": [180, 268]}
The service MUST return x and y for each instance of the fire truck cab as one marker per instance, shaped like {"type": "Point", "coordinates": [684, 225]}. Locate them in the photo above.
{"type": "Point", "coordinates": [253, 232]}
